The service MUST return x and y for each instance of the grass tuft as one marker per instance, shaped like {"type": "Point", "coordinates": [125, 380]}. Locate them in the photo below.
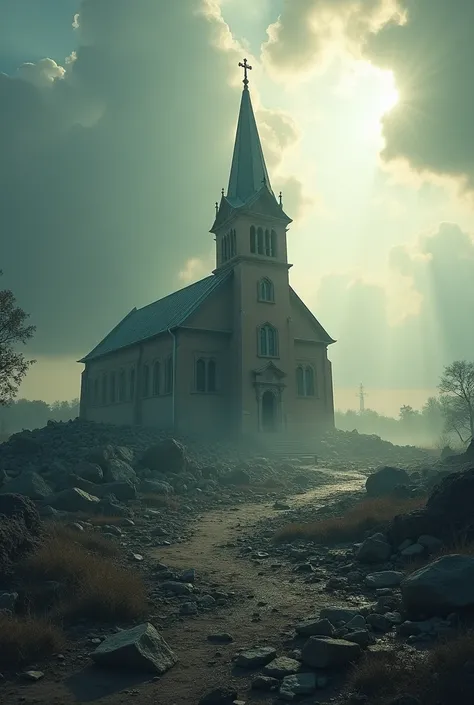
{"type": "Point", "coordinates": [24, 640]}
{"type": "Point", "coordinates": [365, 515]}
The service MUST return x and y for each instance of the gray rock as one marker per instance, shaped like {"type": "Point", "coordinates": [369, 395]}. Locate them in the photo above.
{"type": "Point", "coordinates": [297, 685]}
{"type": "Point", "coordinates": [431, 543]}
{"type": "Point", "coordinates": [167, 456]}
{"type": "Point", "coordinates": [328, 652]}
{"type": "Point", "coordinates": [117, 470]}
{"type": "Point", "coordinates": [385, 480]}
{"type": "Point", "coordinates": [123, 491]}
{"type": "Point", "coordinates": [89, 471]}
{"type": "Point", "coordinates": [265, 683]}
{"type": "Point", "coordinates": [177, 588]}
{"type": "Point", "coordinates": [206, 601]}
{"type": "Point", "coordinates": [374, 549]}
{"type": "Point", "coordinates": [219, 696]}
{"type": "Point", "coordinates": [360, 636]}
{"type": "Point", "coordinates": [282, 666]}
{"type": "Point", "coordinates": [28, 484]}
{"type": "Point", "coordinates": [384, 578]}
{"type": "Point", "coordinates": [379, 622]}
{"type": "Point", "coordinates": [416, 549]}
{"type": "Point", "coordinates": [443, 586]}
{"type": "Point", "coordinates": [338, 614]}
{"type": "Point", "coordinates": [74, 500]}
{"type": "Point", "coordinates": [188, 608]}
{"type": "Point", "coordinates": [156, 487]}
{"type": "Point", "coordinates": [141, 648]}
{"type": "Point", "coordinates": [254, 658]}
{"type": "Point", "coordinates": [356, 623]}
{"type": "Point", "coordinates": [315, 627]}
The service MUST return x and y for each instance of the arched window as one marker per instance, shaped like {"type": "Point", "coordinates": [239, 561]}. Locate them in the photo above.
{"type": "Point", "coordinates": [104, 389]}
{"type": "Point", "coordinates": [146, 381]}
{"type": "Point", "coordinates": [132, 383]}
{"type": "Point", "coordinates": [273, 244]}
{"type": "Point", "coordinates": [168, 375]}
{"type": "Point", "coordinates": [156, 378]}
{"type": "Point", "coordinates": [268, 245]}
{"type": "Point", "coordinates": [122, 386]}
{"type": "Point", "coordinates": [253, 240]}
{"type": "Point", "coordinates": [300, 381]}
{"type": "Point", "coordinates": [268, 341]}
{"type": "Point", "coordinates": [112, 387]}
{"type": "Point", "coordinates": [200, 375]}
{"type": "Point", "coordinates": [260, 241]}
{"type": "Point", "coordinates": [211, 376]}
{"type": "Point", "coordinates": [266, 291]}
{"type": "Point", "coordinates": [309, 381]}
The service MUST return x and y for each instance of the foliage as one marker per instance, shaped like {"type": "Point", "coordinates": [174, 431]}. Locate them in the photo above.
{"type": "Point", "coordinates": [26, 414]}
{"type": "Point", "coordinates": [13, 331]}
{"type": "Point", "coordinates": [456, 389]}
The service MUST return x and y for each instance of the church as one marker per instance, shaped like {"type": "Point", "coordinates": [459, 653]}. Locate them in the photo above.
{"type": "Point", "coordinates": [237, 354]}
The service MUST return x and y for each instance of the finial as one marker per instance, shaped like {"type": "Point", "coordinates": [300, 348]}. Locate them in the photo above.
{"type": "Point", "coordinates": [222, 193]}
{"type": "Point", "coordinates": [280, 197]}
{"type": "Point", "coordinates": [217, 208]}
{"type": "Point", "coordinates": [246, 67]}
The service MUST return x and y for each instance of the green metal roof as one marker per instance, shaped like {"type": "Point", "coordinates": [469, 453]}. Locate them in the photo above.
{"type": "Point", "coordinates": [158, 317]}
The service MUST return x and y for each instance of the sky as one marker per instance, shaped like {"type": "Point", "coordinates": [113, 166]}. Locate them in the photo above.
{"type": "Point", "coordinates": [117, 122]}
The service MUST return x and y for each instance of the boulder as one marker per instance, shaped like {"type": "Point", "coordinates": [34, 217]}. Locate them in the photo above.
{"type": "Point", "coordinates": [254, 658]}
{"type": "Point", "coordinates": [384, 481]}
{"type": "Point", "coordinates": [441, 587]}
{"type": "Point", "coordinates": [168, 456]}
{"type": "Point", "coordinates": [374, 549]}
{"type": "Point", "coordinates": [315, 627]}
{"type": "Point", "coordinates": [123, 491]}
{"type": "Point", "coordinates": [141, 648]}
{"type": "Point", "coordinates": [119, 471]}
{"type": "Point", "coordinates": [297, 685]}
{"type": "Point", "coordinates": [219, 696]}
{"type": "Point", "coordinates": [328, 652]}
{"type": "Point", "coordinates": [238, 476]}
{"type": "Point", "coordinates": [412, 525]}
{"type": "Point", "coordinates": [74, 500]}
{"type": "Point", "coordinates": [29, 484]}
{"type": "Point", "coordinates": [20, 526]}
{"type": "Point", "coordinates": [89, 471]}
{"type": "Point", "coordinates": [453, 499]}
{"type": "Point", "coordinates": [155, 487]}
{"type": "Point", "coordinates": [338, 614]}
{"type": "Point", "coordinates": [281, 667]}
{"type": "Point", "coordinates": [384, 579]}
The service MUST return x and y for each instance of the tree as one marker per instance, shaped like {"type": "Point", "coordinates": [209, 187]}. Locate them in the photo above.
{"type": "Point", "coordinates": [13, 331]}
{"type": "Point", "coordinates": [457, 398]}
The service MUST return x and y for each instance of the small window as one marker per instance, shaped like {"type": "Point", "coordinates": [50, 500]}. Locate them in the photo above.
{"type": "Point", "coordinates": [211, 376]}
{"type": "Point", "coordinates": [132, 383]}
{"type": "Point", "coordinates": [305, 382]}
{"type": "Point", "coordinates": [268, 245]}
{"type": "Point", "coordinates": [156, 378]}
{"type": "Point", "coordinates": [273, 244]}
{"type": "Point", "coordinates": [122, 387]}
{"type": "Point", "coordinates": [205, 375]}
{"type": "Point", "coordinates": [266, 290]}
{"type": "Point", "coordinates": [146, 381]}
{"type": "Point", "coordinates": [168, 375]}
{"type": "Point", "coordinates": [253, 240]}
{"type": "Point", "coordinates": [200, 376]}
{"type": "Point", "coordinates": [268, 341]}
{"type": "Point", "coordinates": [112, 387]}
{"type": "Point", "coordinates": [104, 389]}
{"type": "Point", "coordinates": [260, 241]}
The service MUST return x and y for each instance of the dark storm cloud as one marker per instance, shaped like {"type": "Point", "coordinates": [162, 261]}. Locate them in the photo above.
{"type": "Point", "coordinates": [108, 175]}
{"type": "Point", "coordinates": [438, 330]}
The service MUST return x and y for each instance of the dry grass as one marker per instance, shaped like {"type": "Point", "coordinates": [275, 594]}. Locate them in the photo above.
{"type": "Point", "coordinates": [25, 640]}
{"type": "Point", "coordinates": [443, 676]}
{"type": "Point", "coordinates": [365, 515]}
{"type": "Point", "coordinates": [462, 546]}
{"type": "Point", "coordinates": [160, 500]}
{"type": "Point", "coordinates": [97, 587]}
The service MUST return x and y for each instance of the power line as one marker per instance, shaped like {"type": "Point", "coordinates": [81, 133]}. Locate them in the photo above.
{"type": "Point", "coordinates": [361, 394]}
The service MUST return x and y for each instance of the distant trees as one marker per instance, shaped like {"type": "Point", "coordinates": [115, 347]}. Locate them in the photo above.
{"type": "Point", "coordinates": [456, 389]}
{"type": "Point", "coordinates": [26, 414]}
{"type": "Point", "coordinates": [13, 331]}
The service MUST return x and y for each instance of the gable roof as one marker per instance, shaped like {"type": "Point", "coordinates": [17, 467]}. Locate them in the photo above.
{"type": "Point", "coordinates": [324, 337]}
{"type": "Point", "coordinates": [158, 317]}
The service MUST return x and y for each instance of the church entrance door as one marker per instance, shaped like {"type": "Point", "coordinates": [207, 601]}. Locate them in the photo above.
{"type": "Point", "coordinates": [268, 411]}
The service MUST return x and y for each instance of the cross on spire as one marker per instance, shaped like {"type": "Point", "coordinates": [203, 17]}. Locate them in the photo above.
{"type": "Point", "coordinates": [246, 67]}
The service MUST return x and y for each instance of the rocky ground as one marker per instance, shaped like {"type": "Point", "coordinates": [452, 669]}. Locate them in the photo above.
{"type": "Point", "coordinates": [232, 615]}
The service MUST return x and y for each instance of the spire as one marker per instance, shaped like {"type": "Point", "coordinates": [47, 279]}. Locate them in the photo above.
{"type": "Point", "coordinates": [248, 172]}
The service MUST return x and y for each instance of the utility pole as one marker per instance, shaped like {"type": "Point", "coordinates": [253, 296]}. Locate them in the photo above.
{"type": "Point", "coordinates": [362, 394]}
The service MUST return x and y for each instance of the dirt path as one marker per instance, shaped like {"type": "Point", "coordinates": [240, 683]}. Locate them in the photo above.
{"type": "Point", "coordinates": [271, 593]}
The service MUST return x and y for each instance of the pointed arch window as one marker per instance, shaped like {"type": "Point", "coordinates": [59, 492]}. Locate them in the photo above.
{"type": "Point", "coordinates": [305, 381]}
{"type": "Point", "coordinates": [273, 244]}
{"type": "Point", "coordinates": [267, 341]}
{"type": "Point", "coordinates": [205, 375]}
{"type": "Point", "coordinates": [104, 389]}
{"type": "Point", "coordinates": [211, 376]}
{"type": "Point", "coordinates": [122, 386]}
{"type": "Point", "coordinates": [146, 381]}
{"type": "Point", "coordinates": [201, 375]}
{"type": "Point", "coordinates": [253, 240]}
{"type": "Point", "coordinates": [260, 241]}
{"type": "Point", "coordinates": [132, 384]}
{"type": "Point", "coordinates": [112, 387]}
{"type": "Point", "coordinates": [156, 378]}
{"type": "Point", "coordinates": [168, 375]}
{"type": "Point", "coordinates": [266, 290]}
{"type": "Point", "coordinates": [268, 244]}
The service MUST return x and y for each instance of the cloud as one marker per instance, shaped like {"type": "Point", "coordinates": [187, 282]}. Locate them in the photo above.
{"type": "Point", "coordinates": [42, 74]}
{"type": "Point", "coordinates": [401, 330]}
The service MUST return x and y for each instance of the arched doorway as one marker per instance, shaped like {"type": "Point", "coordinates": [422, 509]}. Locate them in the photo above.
{"type": "Point", "coordinates": [268, 411]}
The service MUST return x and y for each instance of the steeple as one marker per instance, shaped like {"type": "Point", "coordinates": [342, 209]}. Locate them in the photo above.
{"type": "Point", "coordinates": [248, 172]}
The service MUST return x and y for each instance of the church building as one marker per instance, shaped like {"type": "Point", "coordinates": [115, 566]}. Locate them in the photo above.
{"type": "Point", "coordinates": [237, 354]}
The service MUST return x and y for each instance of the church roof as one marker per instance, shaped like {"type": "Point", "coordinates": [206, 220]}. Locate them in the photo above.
{"type": "Point", "coordinates": [158, 317]}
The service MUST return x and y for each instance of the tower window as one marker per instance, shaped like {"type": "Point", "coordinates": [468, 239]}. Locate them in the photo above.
{"type": "Point", "coordinates": [146, 381]}
{"type": "Point", "coordinates": [267, 341]}
{"type": "Point", "coordinates": [156, 378]}
{"type": "Point", "coordinates": [253, 240]}
{"type": "Point", "coordinates": [205, 375]}
{"type": "Point", "coordinates": [122, 387]}
{"type": "Point", "coordinates": [112, 387]}
{"type": "Point", "coordinates": [260, 241]}
{"type": "Point", "coordinates": [305, 382]}
{"type": "Point", "coordinates": [168, 375]}
{"type": "Point", "coordinates": [273, 244]}
{"type": "Point", "coordinates": [266, 290]}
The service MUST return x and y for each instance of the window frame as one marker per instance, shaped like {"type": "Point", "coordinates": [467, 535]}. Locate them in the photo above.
{"type": "Point", "coordinates": [156, 379]}
{"type": "Point", "coordinates": [261, 290]}
{"type": "Point", "coordinates": [263, 341]}
{"type": "Point", "coordinates": [303, 390]}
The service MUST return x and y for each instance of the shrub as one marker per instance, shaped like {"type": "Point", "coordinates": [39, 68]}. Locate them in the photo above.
{"type": "Point", "coordinates": [365, 515]}
{"type": "Point", "coordinates": [25, 640]}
